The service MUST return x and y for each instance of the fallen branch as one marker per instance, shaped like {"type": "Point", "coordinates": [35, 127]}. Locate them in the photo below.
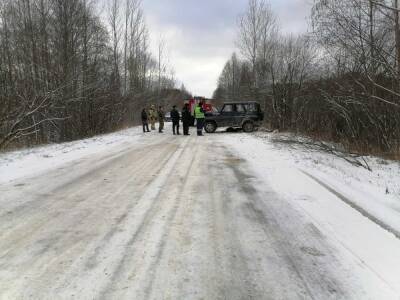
{"type": "Point", "coordinates": [352, 158]}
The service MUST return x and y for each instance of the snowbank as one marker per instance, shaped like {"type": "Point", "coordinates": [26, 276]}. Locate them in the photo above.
{"type": "Point", "coordinates": [316, 183]}
{"type": "Point", "coordinates": [29, 162]}
{"type": "Point", "coordinates": [376, 191]}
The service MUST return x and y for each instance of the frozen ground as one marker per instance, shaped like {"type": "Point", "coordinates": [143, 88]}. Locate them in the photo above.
{"type": "Point", "coordinates": [226, 216]}
{"type": "Point", "coordinates": [375, 193]}
{"type": "Point", "coordinates": [29, 162]}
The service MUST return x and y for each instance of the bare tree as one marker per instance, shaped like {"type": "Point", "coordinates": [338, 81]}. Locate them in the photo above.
{"type": "Point", "coordinates": [66, 72]}
{"type": "Point", "coordinates": [116, 28]}
{"type": "Point", "coordinates": [161, 67]}
{"type": "Point", "coordinates": [255, 27]}
{"type": "Point", "coordinates": [340, 82]}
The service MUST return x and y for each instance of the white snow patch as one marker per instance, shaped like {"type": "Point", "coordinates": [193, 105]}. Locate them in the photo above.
{"type": "Point", "coordinates": [281, 165]}
{"type": "Point", "coordinates": [29, 162]}
{"type": "Point", "coordinates": [364, 188]}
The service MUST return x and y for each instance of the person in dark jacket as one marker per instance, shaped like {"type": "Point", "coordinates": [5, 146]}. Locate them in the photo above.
{"type": "Point", "coordinates": [186, 119]}
{"type": "Point", "coordinates": [161, 118]}
{"type": "Point", "coordinates": [145, 120]}
{"type": "Point", "coordinates": [175, 120]}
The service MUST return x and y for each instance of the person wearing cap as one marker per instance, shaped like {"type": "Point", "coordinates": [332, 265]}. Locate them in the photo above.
{"type": "Point", "coordinates": [161, 117]}
{"type": "Point", "coordinates": [153, 117]}
{"type": "Point", "coordinates": [186, 119]}
{"type": "Point", "coordinates": [175, 120]}
{"type": "Point", "coordinates": [145, 120]}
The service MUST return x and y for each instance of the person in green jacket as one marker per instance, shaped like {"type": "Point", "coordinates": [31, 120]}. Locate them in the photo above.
{"type": "Point", "coordinates": [199, 115]}
{"type": "Point", "coordinates": [153, 116]}
{"type": "Point", "coordinates": [161, 117]}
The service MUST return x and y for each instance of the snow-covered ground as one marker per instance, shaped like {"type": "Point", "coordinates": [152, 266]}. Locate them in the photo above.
{"type": "Point", "coordinates": [226, 216]}
{"type": "Point", "coordinates": [349, 202]}
{"type": "Point", "coordinates": [376, 193]}
{"type": "Point", "coordinates": [29, 162]}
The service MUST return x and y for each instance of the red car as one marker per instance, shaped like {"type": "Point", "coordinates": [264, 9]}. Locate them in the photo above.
{"type": "Point", "coordinates": [207, 106]}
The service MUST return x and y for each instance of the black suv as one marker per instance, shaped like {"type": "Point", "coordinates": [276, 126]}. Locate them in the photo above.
{"type": "Point", "coordinates": [246, 115]}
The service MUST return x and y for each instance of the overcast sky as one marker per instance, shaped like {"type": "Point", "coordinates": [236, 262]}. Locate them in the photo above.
{"type": "Point", "coordinates": [200, 35]}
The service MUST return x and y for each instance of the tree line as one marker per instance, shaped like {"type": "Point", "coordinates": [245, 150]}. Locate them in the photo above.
{"type": "Point", "coordinates": [340, 81]}
{"type": "Point", "coordinates": [71, 69]}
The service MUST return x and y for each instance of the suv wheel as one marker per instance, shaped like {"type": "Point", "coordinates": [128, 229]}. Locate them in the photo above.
{"type": "Point", "coordinates": [248, 126]}
{"type": "Point", "coordinates": [210, 127]}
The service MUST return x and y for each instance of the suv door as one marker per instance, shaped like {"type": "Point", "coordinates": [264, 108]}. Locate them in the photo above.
{"type": "Point", "coordinates": [226, 116]}
{"type": "Point", "coordinates": [253, 110]}
{"type": "Point", "coordinates": [240, 113]}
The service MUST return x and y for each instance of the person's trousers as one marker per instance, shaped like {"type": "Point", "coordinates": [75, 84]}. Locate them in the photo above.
{"type": "Point", "coordinates": [145, 127]}
{"type": "Point", "coordinates": [175, 127]}
{"type": "Point", "coordinates": [161, 127]}
{"type": "Point", "coordinates": [200, 125]}
{"type": "Point", "coordinates": [186, 128]}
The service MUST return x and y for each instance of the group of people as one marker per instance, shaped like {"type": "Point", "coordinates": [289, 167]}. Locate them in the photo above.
{"type": "Point", "coordinates": [152, 116]}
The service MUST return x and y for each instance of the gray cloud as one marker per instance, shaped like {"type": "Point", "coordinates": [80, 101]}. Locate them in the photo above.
{"type": "Point", "coordinates": [293, 14]}
{"type": "Point", "coordinates": [200, 35]}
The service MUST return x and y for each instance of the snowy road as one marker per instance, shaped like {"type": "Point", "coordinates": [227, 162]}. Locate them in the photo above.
{"type": "Point", "coordinates": [181, 218]}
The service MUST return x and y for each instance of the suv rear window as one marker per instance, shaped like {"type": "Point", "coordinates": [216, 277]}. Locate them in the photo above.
{"type": "Point", "coordinates": [251, 107]}
{"type": "Point", "coordinates": [228, 108]}
{"type": "Point", "coordinates": [240, 108]}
